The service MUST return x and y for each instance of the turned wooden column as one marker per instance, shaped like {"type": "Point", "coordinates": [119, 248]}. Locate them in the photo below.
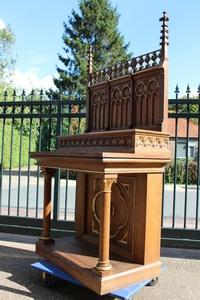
{"type": "Point", "coordinates": [46, 232]}
{"type": "Point", "coordinates": [104, 232]}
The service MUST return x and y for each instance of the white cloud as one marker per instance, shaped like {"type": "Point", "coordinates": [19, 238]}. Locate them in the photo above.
{"type": "Point", "coordinates": [2, 24]}
{"type": "Point", "coordinates": [31, 80]}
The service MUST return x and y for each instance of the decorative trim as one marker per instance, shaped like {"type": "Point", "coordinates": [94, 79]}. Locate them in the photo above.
{"type": "Point", "coordinates": [106, 141]}
{"type": "Point", "coordinates": [124, 68]}
{"type": "Point", "coordinates": [150, 142]}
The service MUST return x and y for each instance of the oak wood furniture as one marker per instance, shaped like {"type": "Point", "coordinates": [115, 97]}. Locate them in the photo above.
{"type": "Point", "coordinates": [119, 163]}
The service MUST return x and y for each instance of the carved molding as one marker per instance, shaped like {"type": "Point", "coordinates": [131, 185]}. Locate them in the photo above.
{"type": "Point", "coordinates": [132, 140]}
{"type": "Point", "coordinates": [151, 142]}
{"type": "Point", "coordinates": [106, 141]}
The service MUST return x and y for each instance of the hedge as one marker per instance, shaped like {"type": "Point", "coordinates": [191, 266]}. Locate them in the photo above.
{"type": "Point", "coordinates": [15, 146]}
{"type": "Point", "coordinates": [181, 172]}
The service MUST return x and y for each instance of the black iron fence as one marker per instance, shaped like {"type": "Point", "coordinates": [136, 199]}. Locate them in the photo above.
{"type": "Point", "coordinates": [32, 122]}
{"type": "Point", "coordinates": [181, 212]}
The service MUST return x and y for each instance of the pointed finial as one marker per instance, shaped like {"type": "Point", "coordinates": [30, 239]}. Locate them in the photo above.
{"type": "Point", "coordinates": [23, 95]}
{"type": "Point", "coordinates": [41, 93]}
{"type": "Point", "coordinates": [90, 61]}
{"type": "Point", "coordinates": [5, 95]}
{"type": "Point", "coordinates": [164, 35]}
{"type": "Point", "coordinates": [176, 91]}
{"type": "Point", "coordinates": [188, 91]}
{"type": "Point", "coordinates": [198, 91]}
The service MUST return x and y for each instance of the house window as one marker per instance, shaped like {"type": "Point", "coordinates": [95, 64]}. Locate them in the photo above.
{"type": "Point", "coordinates": [191, 151]}
{"type": "Point", "coordinates": [181, 149]}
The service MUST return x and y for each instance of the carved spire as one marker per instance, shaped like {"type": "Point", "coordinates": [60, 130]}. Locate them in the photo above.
{"type": "Point", "coordinates": [90, 61]}
{"type": "Point", "coordinates": [164, 35]}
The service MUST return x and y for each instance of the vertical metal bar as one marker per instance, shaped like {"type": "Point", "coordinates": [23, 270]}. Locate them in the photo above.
{"type": "Point", "coordinates": [29, 160]}
{"type": "Point", "coordinates": [186, 175]}
{"type": "Point", "coordinates": [38, 173]}
{"type": "Point", "coordinates": [11, 153]}
{"type": "Point", "coordinates": [198, 168]}
{"type": "Point", "coordinates": [57, 174]}
{"type": "Point", "coordinates": [2, 149]}
{"type": "Point", "coordinates": [20, 156]}
{"type": "Point", "coordinates": [186, 162]}
{"type": "Point", "coordinates": [10, 166]}
{"type": "Point", "coordinates": [39, 149]}
{"type": "Point", "coordinates": [198, 177]}
{"type": "Point", "coordinates": [50, 127]}
{"type": "Point", "coordinates": [175, 160]}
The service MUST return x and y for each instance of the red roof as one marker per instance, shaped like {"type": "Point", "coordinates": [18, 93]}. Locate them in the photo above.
{"type": "Point", "coordinates": [182, 128]}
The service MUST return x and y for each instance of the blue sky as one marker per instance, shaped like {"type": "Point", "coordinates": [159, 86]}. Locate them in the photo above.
{"type": "Point", "coordinates": [38, 26]}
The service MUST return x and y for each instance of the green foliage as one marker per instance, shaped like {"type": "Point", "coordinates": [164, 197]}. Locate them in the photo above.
{"type": "Point", "coordinates": [15, 146]}
{"type": "Point", "coordinates": [7, 40]}
{"type": "Point", "coordinates": [181, 172]}
{"type": "Point", "coordinates": [95, 24]}
{"type": "Point", "coordinates": [192, 172]}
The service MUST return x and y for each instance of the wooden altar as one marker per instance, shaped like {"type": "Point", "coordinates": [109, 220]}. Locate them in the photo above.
{"type": "Point", "coordinates": [120, 163]}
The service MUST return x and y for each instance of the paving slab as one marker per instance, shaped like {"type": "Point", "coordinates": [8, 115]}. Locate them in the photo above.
{"type": "Point", "coordinates": [181, 279]}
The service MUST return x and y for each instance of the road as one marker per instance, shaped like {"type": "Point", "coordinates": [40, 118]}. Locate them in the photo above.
{"type": "Point", "coordinates": [29, 196]}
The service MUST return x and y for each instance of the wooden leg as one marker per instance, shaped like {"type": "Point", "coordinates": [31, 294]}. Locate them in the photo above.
{"type": "Point", "coordinates": [46, 232]}
{"type": "Point", "coordinates": [104, 235]}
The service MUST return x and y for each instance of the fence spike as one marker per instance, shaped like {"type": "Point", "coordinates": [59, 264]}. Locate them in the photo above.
{"type": "Point", "coordinates": [188, 91]}
{"type": "Point", "coordinates": [5, 95]}
{"type": "Point", "coordinates": [177, 91]}
{"type": "Point", "coordinates": [198, 91]}
{"type": "Point", "coordinates": [14, 94]}
{"type": "Point", "coordinates": [23, 93]}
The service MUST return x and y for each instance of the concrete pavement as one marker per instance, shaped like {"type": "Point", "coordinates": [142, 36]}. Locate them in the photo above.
{"type": "Point", "coordinates": [181, 279]}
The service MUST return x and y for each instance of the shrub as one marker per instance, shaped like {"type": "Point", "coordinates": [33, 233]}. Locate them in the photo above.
{"type": "Point", "coordinates": [181, 172]}
{"type": "Point", "coordinates": [15, 147]}
{"type": "Point", "coordinates": [192, 172]}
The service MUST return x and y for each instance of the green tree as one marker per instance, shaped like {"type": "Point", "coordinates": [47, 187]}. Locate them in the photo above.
{"type": "Point", "coordinates": [94, 24]}
{"type": "Point", "coordinates": [7, 40]}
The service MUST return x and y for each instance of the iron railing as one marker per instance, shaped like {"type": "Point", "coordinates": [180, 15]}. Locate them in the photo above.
{"type": "Point", "coordinates": [32, 122]}
{"type": "Point", "coordinates": [181, 213]}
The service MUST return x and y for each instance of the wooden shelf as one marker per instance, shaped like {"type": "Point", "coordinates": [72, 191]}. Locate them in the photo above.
{"type": "Point", "coordinates": [79, 259]}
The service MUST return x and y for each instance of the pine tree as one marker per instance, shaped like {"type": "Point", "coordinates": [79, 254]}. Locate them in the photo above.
{"type": "Point", "coordinates": [95, 24]}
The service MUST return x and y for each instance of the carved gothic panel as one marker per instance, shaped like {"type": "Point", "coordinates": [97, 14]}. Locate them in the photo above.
{"type": "Point", "coordinates": [121, 105]}
{"type": "Point", "coordinates": [147, 103]}
{"type": "Point", "coordinates": [99, 109]}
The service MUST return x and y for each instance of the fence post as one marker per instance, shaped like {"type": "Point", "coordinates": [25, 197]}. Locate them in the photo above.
{"type": "Point", "coordinates": [56, 198]}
